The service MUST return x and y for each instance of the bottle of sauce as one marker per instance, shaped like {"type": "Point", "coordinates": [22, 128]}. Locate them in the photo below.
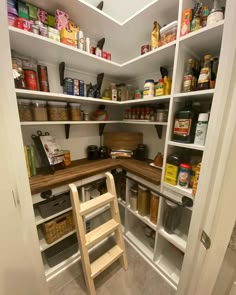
{"type": "Point", "coordinates": [205, 74]}
{"type": "Point", "coordinates": [188, 76]}
{"type": "Point", "coordinates": [185, 122]}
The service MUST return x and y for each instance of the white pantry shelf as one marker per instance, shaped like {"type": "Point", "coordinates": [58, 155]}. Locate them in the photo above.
{"type": "Point", "coordinates": [158, 99]}
{"type": "Point", "coordinates": [208, 38]}
{"type": "Point", "coordinates": [36, 123]}
{"type": "Point", "coordinates": [144, 122]}
{"type": "Point", "coordinates": [51, 96]}
{"type": "Point", "coordinates": [199, 95]}
{"type": "Point", "coordinates": [178, 239]}
{"type": "Point", "coordinates": [39, 219]}
{"type": "Point", "coordinates": [187, 145]}
{"type": "Point", "coordinates": [178, 189]}
{"type": "Point", "coordinates": [144, 219]}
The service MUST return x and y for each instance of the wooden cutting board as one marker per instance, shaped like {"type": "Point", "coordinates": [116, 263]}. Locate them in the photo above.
{"type": "Point", "coordinates": [122, 140]}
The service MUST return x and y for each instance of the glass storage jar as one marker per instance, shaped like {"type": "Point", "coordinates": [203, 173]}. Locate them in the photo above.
{"type": "Point", "coordinates": [171, 218]}
{"type": "Point", "coordinates": [75, 113]}
{"type": "Point", "coordinates": [57, 111]}
{"type": "Point", "coordinates": [40, 110]}
{"type": "Point", "coordinates": [133, 198]}
{"type": "Point", "coordinates": [143, 200]}
{"type": "Point", "coordinates": [154, 205]}
{"type": "Point", "coordinates": [24, 109]}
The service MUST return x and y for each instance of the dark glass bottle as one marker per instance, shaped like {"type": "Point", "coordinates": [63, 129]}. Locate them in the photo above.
{"type": "Point", "coordinates": [185, 122]}
{"type": "Point", "coordinates": [205, 74]}
{"type": "Point", "coordinates": [188, 75]}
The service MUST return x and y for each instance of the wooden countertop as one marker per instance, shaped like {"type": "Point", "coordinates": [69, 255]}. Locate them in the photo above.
{"type": "Point", "coordinates": [84, 168]}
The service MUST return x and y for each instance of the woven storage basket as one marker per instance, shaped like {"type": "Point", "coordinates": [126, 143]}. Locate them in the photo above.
{"type": "Point", "coordinates": [58, 227]}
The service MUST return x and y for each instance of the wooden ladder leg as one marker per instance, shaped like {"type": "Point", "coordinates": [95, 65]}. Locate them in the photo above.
{"type": "Point", "coordinates": [81, 238]}
{"type": "Point", "coordinates": [116, 216]}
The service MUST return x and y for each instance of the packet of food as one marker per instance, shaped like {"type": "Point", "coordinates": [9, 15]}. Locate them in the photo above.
{"type": "Point", "coordinates": [155, 36]}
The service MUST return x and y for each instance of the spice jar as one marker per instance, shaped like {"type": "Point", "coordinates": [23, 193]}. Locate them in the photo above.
{"type": "Point", "coordinates": [57, 111]}
{"type": "Point", "coordinates": [143, 200]}
{"type": "Point", "coordinates": [154, 205]}
{"type": "Point", "coordinates": [133, 198]}
{"type": "Point", "coordinates": [162, 115]}
{"type": "Point", "coordinates": [39, 110]}
{"type": "Point", "coordinates": [75, 113]}
{"type": "Point", "coordinates": [24, 109]}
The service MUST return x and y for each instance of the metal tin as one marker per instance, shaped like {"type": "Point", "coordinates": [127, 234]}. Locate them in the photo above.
{"type": "Point", "coordinates": [31, 80]}
{"type": "Point", "coordinates": [145, 48]}
{"type": "Point", "coordinates": [162, 115]}
{"type": "Point", "coordinates": [68, 86]}
{"type": "Point", "coordinates": [43, 78]}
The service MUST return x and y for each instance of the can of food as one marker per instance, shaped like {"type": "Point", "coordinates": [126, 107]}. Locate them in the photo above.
{"type": "Point", "coordinates": [31, 80]}
{"type": "Point", "coordinates": [184, 175]}
{"type": "Point", "coordinates": [138, 94]}
{"type": "Point", "coordinates": [68, 86]}
{"type": "Point", "coordinates": [43, 78]}
{"type": "Point", "coordinates": [104, 54]}
{"type": "Point", "coordinates": [145, 48]}
{"type": "Point", "coordinates": [86, 116]}
{"type": "Point", "coordinates": [108, 55]}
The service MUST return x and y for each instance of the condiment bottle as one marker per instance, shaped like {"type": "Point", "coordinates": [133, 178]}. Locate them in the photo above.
{"type": "Point", "coordinates": [188, 76]}
{"type": "Point", "coordinates": [196, 22]}
{"type": "Point", "coordinates": [204, 15]}
{"type": "Point", "coordinates": [155, 36]}
{"type": "Point", "coordinates": [205, 74]}
{"type": "Point", "coordinates": [201, 129]}
{"type": "Point", "coordinates": [185, 124]}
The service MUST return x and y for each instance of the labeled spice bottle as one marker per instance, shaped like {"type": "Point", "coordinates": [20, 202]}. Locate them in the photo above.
{"type": "Point", "coordinates": [184, 175]}
{"type": "Point", "coordinates": [24, 109]}
{"type": "Point", "coordinates": [143, 200]}
{"type": "Point", "coordinates": [188, 76]}
{"type": "Point", "coordinates": [205, 74]}
{"type": "Point", "coordinates": [154, 205]}
{"type": "Point", "coordinates": [185, 122]}
{"type": "Point", "coordinates": [40, 110]}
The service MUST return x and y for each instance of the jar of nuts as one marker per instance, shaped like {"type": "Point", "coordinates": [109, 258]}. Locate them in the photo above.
{"type": "Point", "coordinates": [57, 111]}
{"type": "Point", "coordinates": [40, 110]}
{"type": "Point", "coordinates": [24, 108]}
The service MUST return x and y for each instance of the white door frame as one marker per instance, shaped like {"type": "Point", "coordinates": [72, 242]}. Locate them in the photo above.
{"type": "Point", "coordinates": [215, 203]}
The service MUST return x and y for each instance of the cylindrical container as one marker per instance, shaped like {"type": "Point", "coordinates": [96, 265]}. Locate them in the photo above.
{"type": "Point", "coordinates": [92, 152]}
{"type": "Point", "coordinates": [171, 217]}
{"type": "Point", "coordinates": [92, 49]}
{"type": "Point", "coordinates": [67, 160]}
{"type": "Point", "coordinates": [68, 86]}
{"type": "Point", "coordinates": [43, 78]}
{"type": "Point", "coordinates": [87, 193]}
{"type": "Point", "coordinates": [215, 15]}
{"type": "Point", "coordinates": [31, 80]}
{"type": "Point", "coordinates": [195, 182]}
{"type": "Point", "coordinates": [87, 44]}
{"type": "Point", "coordinates": [172, 168]}
{"type": "Point", "coordinates": [184, 175]}
{"type": "Point", "coordinates": [98, 51]}
{"type": "Point", "coordinates": [138, 94]}
{"type": "Point", "coordinates": [40, 110]}
{"type": "Point", "coordinates": [81, 40]}
{"type": "Point", "coordinates": [57, 111]}
{"type": "Point", "coordinates": [143, 200]}
{"type": "Point", "coordinates": [113, 92]}
{"type": "Point", "coordinates": [104, 54]}
{"type": "Point", "coordinates": [162, 115]}
{"type": "Point", "coordinates": [148, 89]}
{"type": "Point", "coordinates": [86, 116]}
{"type": "Point", "coordinates": [148, 231]}
{"type": "Point", "coordinates": [24, 110]}
{"type": "Point", "coordinates": [18, 72]}
{"type": "Point", "coordinates": [108, 55]}
{"type": "Point", "coordinates": [75, 113]}
{"type": "Point", "coordinates": [154, 205]}
{"type": "Point", "coordinates": [133, 198]}
{"type": "Point", "coordinates": [201, 129]}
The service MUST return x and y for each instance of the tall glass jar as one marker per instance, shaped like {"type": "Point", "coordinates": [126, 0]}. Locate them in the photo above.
{"type": "Point", "coordinates": [143, 200]}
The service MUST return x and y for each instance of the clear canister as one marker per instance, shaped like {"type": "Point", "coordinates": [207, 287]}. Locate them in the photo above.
{"type": "Point", "coordinates": [133, 198]}
{"type": "Point", "coordinates": [171, 218]}
{"type": "Point", "coordinates": [40, 110]}
{"type": "Point", "coordinates": [154, 205]}
{"type": "Point", "coordinates": [75, 112]}
{"type": "Point", "coordinates": [57, 111]}
{"type": "Point", "coordinates": [143, 200]}
{"type": "Point", "coordinates": [24, 108]}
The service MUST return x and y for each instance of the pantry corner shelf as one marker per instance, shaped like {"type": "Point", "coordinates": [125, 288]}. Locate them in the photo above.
{"type": "Point", "coordinates": [144, 219]}
{"type": "Point", "coordinates": [200, 94]}
{"type": "Point", "coordinates": [158, 99]}
{"type": "Point", "coordinates": [144, 122]}
{"type": "Point", "coordinates": [36, 123]}
{"type": "Point", "coordinates": [183, 191]}
{"type": "Point", "coordinates": [187, 145]}
{"type": "Point", "coordinates": [178, 240]}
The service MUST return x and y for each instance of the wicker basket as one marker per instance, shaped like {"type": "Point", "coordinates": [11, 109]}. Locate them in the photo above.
{"type": "Point", "coordinates": [58, 227]}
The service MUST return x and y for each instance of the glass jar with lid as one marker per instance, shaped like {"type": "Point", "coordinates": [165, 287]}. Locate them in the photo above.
{"type": "Point", "coordinates": [24, 109]}
{"type": "Point", "coordinates": [40, 110]}
{"type": "Point", "coordinates": [57, 111]}
{"type": "Point", "coordinates": [154, 205]}
{"type": "Point", "coordinates": [143, 200]}
{"type": "Point", "coordinates": [171, 217]}
{"type": "Point", "coordinates": [75, 113]}
{"type": "Point", "coordinates": [133, 198]}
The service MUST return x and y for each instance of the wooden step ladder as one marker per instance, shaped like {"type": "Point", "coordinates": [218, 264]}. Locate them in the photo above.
{"type": "Point", "coordinates": [91, 270]}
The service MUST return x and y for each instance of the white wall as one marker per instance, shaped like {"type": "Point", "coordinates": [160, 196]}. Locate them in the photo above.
{"type": "Point", "coordinates": [122, 9]}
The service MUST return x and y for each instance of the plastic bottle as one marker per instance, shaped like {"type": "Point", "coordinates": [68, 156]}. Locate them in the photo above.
{"type": "Point", "coordinates": [148, 90]}
{"type": "Point", "coordinates": [201, 129]}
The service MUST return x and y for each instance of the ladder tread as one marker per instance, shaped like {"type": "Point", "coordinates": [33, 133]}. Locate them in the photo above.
{"type": "Point", "coordinates": [101, 232]}
{"type": "Point", "coordinates": [95, 203]}
{"type": "Point", "coordinates": [105, 260]}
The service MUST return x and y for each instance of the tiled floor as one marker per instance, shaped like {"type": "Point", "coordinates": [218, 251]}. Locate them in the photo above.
{"type": "Point", "coordinates": [139, 279]}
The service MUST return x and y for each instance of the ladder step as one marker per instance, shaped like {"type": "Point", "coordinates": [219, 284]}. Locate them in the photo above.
{"type": "Point", "coordinates": [95, 203]}
{"type": "Point", "coordinates": [100, 232]}
{"type": "Point", "coordinates": [105, 260]}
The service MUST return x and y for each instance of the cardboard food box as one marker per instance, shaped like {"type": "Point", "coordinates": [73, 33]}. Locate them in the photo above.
{"type": "Point", "coordinates": [61, 19]}
{"type": "Point", "coordinates": [32, 11]}
{"type": "Point", "coordinates": [51, 21]}
{"type": "Point", "coordinates": [23, 10]}
{"type": "Point", "coordinates": [186, 22]}
{"type": "Point", "coordinates": [75, 29]}
{"type": "Point", "coordinates": [67, 37]}
{"type": "Point", "coordinates": [42, 16]}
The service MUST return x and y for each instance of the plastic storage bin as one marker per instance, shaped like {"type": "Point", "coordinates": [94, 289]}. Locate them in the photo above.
{"type": "Point", "coordinates": [75, 112]}
{"type": "Point", "coordinates": [40, 110]}
{"type": "Point", "coordinates": [168, 33]}
{"type": "Point", "coordinates": [24, 108]}
{"type": "Point", "coordinates": [54, 205]}
{"type": "Point", "coordinates": [61, 251]}
{"type": "Point", "coordinates": [57, 111]}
